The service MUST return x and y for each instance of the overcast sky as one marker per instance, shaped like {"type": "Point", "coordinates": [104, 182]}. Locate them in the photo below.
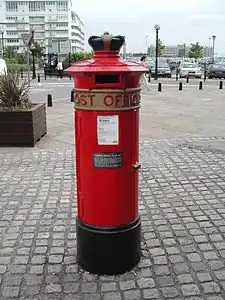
{"type": "Point", "coordinates": [180, 20]}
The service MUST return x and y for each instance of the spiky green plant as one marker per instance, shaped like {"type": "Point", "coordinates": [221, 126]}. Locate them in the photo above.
{"type": "Point", "coordinates": [14, 95]}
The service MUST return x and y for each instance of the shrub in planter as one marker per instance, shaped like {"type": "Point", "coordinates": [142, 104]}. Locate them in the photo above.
{"type": "Point", "coordinates": [22, 123]}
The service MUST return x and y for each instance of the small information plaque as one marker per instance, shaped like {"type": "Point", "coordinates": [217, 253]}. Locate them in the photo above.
{"type": "Point", "coordinates": [108, 130]}
{"type": "Point", "coordinates": [108, 160]}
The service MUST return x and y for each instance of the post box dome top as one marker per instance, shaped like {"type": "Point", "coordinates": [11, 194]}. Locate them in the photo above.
{"type": "Point", "coordinates": [106, 57]}
{"type": "Point", "coordinates": [106, 42]}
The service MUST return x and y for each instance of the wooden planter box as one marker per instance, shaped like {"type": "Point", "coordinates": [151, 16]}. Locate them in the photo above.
{"type": "Point", "coordinates": [23, 128]}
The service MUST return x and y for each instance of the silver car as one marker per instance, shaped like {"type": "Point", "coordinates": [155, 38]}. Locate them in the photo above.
{"type": "Point", "coordinates": [190, 69]}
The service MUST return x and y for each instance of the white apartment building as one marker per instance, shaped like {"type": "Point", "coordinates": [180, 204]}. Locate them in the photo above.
{"type": "Point", "coordinates": [56, 27]}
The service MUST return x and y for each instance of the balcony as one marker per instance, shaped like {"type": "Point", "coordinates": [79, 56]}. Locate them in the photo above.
{"type": "Point", "coordinates": [14, 27]}
{"type": "Point", "coordinates": [50, 28]}
{"type": "Point", "coordinates": [62, 29]}
{"type": "Point", "coordinates": [53, 20]}
{"type": "Point", "coordinates": [37, 21]}
{"type": "Point", "coordinates": [12, 36]}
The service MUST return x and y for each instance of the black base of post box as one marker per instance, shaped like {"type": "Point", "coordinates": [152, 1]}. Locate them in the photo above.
{"type": "Point", "coordinates": [108, 251]}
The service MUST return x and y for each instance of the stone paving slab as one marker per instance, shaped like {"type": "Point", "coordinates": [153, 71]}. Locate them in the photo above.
{"type": "Point", "coordinates": [182, 206]}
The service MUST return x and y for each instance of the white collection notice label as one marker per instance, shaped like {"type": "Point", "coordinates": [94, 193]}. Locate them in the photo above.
{"type": "Point", "coordinates": [108, 130]}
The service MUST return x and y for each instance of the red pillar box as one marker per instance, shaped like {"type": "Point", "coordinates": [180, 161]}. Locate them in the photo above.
{"type": "Point", "coordinates": [107, 102]}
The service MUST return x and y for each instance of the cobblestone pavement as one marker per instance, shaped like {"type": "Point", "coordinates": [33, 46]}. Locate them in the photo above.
{"type": "Point", "coordinates": [183, 226]}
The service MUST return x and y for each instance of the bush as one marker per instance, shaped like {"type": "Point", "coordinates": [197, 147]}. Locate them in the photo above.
{"type": "Point", "coordinates": [12, 68]}
{"type": "Point", "coordinates": [13, 95]}
{"type": "Point", "coordinates": [75, 57]}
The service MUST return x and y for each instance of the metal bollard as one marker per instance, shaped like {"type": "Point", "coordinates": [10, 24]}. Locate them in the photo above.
{"type": "Point", "coordinates": [39, 78]}
{"type": "Point", "coordinates": [176, 75]}
{"type": "Point", "coordinates": [180, 86]}
{"type": "Point", "coordinates": [187, 80]}
{"type": "Point", "coordinates": [72, 96]}
{"type": "Point", "coordinates": [200, 85]}
{"type": "Point", "coordinates": [49, 100]}
{"type": "Point", "coordinates": [204, 75]}
{"type": "Point", "coordinates": [149, 77]}
{"type": "Point", "coordinates": [159, 87]}
{"type": "Point", "coordinates": [221, 85]}
{"type": "Point", "coordinates": [21, 73]}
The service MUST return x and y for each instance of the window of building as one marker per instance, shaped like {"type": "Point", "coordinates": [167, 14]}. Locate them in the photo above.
{"type": "Point", "coordinates": [11, 6]}
{"type": "Point", "coordinates": [62, 18]}
{"type": "Point", "coordinates": [12, 41]}
{"type": "Point", "coordinates": [37, 19]}
{"type": "Point", "coordinates": [37, 6]}
{"type": "Point", "coordinates": [76, 27]}
{"type": "Point", "coordinates": [11, 33]}
{"type": "Point", "coordinates": [73, 17]}
{"type": "Point", "coordinates": [63, 24]}
{"type": "Point", "coordinates": [11, 18]}
{"type": "Point", "coordinates": [11, 25]}
{"type": "Point", "coordinates": [62, 33]}
{"type": "Point", "coordinates": [61, 6]}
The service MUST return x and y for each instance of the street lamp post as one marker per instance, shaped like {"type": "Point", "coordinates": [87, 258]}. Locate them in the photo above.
{"type": "Point", "coordinates": [157, 27]}
{"type": "Point", "coordinates": [184, 50]}
{"type": "Point", "coordinates": [213, 50]}
{"type": "Point", "coordinates": [210, 50]}
{"type": "Point", "coordinates": [32, 49]}
{"type": "Point", "coordinates": [33, 63]}
{"type": "Point", "coordinates": [2, 33]}
{"type": "Point", "coordinates": [146, 37]}
{"type": "Point", "coordinates": [124, 51]}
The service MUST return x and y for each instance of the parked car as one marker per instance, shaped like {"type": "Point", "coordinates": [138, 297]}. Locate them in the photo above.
{"type": "Point", "coordinates": [163, 69]}
{"type": "Point", "coordinates": [173, 64]}
{"type": "Point", "coordinates": [190, 69]}
{"type": "Point", "coordinates": [216, 71]}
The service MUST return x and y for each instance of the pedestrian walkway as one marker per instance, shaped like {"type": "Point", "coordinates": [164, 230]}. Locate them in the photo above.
{"type": "Point", "coordinates": [181, 203]}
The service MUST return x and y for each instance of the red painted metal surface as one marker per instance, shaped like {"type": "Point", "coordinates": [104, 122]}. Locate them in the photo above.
{"type": "Point", "coordinates": [107, 197]}
{"type": "Point", "coordinates": [102, 63]}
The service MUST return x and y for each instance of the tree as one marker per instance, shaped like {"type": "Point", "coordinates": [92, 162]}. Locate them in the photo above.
{"type": "Point", "coordinates": [196, 51]}
{"type": "Point", "coordinates": [161, 47]}
{"type": "Point", "coordinates": [75, 57]}
{"type": "Point", "coordinates": [9, 52]}
{"type": "Point", "coordinates": [37, 49]}
{"type": "Point", "coordinates": [78, 56]}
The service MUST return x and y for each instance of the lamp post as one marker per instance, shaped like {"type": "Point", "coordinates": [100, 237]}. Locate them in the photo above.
{"type": "Point", "coordinates": [124, 51]}
{"type": "Point", "coordinates": [210, 50]}
{"type": "Point", "coordinates": [184, 50]}
{"type": "Point", "coordinates": [32, 49]}
{"type": "Point", "coordinates": [146, 37]}
{"type": "Point", "coordinates": [2, 33]}
{"type": "Point", "coordinates": [157, 27]}
{"type": "Point", "coordinates": [213, 50]}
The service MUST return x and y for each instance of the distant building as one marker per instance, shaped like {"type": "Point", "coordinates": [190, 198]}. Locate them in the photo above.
{"type": "Point", "coordinates": [56, 27]}
{"type": "Point", "coordinates": [168, 51]}
{"type": "Point", "coordinates": [178, 51]}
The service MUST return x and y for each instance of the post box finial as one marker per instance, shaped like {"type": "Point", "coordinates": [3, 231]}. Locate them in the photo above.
{"type": "Point", "coordinates": [106, 42]}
